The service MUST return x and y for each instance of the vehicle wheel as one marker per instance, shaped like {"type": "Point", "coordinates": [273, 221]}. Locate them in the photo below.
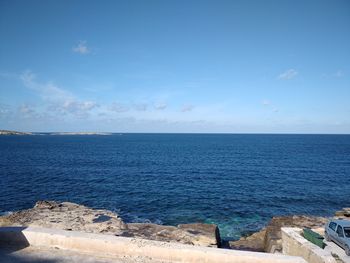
{"type": "Point", "coordinates": [347, 251]}
{"type": "Point", "coordinates": [327, 237]}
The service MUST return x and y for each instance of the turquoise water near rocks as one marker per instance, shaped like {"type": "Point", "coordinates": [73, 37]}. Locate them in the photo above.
{"type": "Point", "coordinates": [237, 181]}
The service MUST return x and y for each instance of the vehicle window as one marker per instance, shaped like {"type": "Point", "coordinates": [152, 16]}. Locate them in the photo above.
{"type": "Point", "coordinates": [347, 232]}
{"type": "Point", "coordinates": [332, 225]}
{"type": "Point", "coordinates": [340, 231]}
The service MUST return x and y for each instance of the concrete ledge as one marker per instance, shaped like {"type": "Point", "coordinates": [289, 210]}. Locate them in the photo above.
{"type": "Point", "coordinates": [296, 245]}
{"type": "Point", "coordinates": [98, 244]}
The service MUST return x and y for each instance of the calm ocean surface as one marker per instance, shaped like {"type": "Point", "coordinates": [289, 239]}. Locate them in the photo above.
{"type": "Point", "coordinates": [236, 181]}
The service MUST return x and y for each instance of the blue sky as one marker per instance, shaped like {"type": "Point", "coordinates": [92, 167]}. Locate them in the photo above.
{"type": "Point", "coordinates": [175, 66]}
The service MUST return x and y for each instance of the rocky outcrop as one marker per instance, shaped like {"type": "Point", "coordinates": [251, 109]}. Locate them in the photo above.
{"type": "Point", "coordinates": [71, 216]}
{"type": "Point", "coordinates": [203, 233]}
{"type": "Point", "coordinates": [269, 238]}
{"type": "Point", "coordinates": [344, 213]}
{"type": "Point", "coordinates": [67, 216]}
{"type": "Point", "coordinates": [254, 242]}
{"type": "Point", "coordinates": [193, 234]}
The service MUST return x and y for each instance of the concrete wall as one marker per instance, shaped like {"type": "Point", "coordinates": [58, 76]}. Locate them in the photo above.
{"type": "Point", "coordinates": [296, 245]}
{"type": "Point", "coordinates": [98, 244]}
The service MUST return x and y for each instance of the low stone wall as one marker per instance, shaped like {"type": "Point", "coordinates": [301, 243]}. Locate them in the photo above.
{"type": "Point", "coordinates": [296, 245]}
{"type": "Point", "coordinates": [97, 244]}
{"type": "Point", "coordinates": [269, 239]}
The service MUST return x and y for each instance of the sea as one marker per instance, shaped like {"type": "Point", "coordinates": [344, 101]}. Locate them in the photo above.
{"type": "Point", "coordinates": [237, 181]}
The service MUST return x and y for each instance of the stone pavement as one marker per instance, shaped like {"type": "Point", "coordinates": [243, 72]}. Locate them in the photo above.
{"type": "Point", "coordinates": [44, 255]}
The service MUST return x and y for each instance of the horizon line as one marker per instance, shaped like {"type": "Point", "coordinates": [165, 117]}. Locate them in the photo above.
{"type": "Point", "coordinates": [194, 133]}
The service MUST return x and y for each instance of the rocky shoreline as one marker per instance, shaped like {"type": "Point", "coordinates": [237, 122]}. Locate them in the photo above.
{"type": "Point", "coordinates": [74, 217]}
{"type": "Point", "coordinates": [269, 238]}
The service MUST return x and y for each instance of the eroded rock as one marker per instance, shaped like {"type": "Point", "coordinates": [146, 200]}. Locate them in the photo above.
{"type": "Point", "coordinates": [254, 242]}
{"type": "Point", "coordinates": [273, 236]}
{"type": "Point", "coordinates": [194, 234]}
{"type": "Point", "coordinates": [205, 233]}
{"type": "Point", "coordinates": [71, 216]}
{"type": "Point", "coordinates": [66, 216]}
{"type": "Point", "coordinates": [269, 239]}
{"type": "Point", "coordinates": [344, 213]}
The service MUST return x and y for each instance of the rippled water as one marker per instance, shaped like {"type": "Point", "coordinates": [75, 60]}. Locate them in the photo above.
{"type": "Point", "coordinates": [236, 181]}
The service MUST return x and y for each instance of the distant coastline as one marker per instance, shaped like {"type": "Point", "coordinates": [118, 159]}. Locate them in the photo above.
{"type": "Point", "coordinates": [8, 132]}
{"type": "Point", "coordinates": [79, 133]}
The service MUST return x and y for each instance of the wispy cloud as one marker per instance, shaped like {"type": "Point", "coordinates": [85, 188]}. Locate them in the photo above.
{"type": "Point", "coordinates": [48, 90]}
{"type": "Point", "coordinates": [288, 74]}
{"type": "Point", "coordinates": [140, 106]}
{"type": "Point", "coordinates": [267, 104]}
{"type": "Point", "coordinates": [118, 107]}
{"type": "Point", "coordinates": [186, 108]}
{"type": "Point", "coordinates": [26, 109]}
{"type": "Point", "coordinates": [57, 99]}
{"type": "Point", "coordinates": [160, 105]}
{"type": "Point", "coordinates": [79, 108]}
{"type": "Point", "coordinates": [81, 48]}
{"type": "Point", "coordinates": [5, 110]}
{"type": "Point", "coordinates": [338, 74]}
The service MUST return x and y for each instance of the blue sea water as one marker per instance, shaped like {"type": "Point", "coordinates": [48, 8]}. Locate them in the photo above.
{"type": "Point", "coordinates": [237, 181]}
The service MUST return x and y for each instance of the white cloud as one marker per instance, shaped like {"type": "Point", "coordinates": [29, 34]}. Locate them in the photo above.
{"type": "Point", "coordinates": [78, 107]}
{"type": "Point", "coordinates": [288, 74]}
{"type": "Point", "coordinates": [48, 91]}
{"type": "Point", "coordinates": [160, 106]}
{"type": "Point", "coordinates": [141, 106]}
{"type": "Point", "coordinates": [186, 108]}
{"type": "Point", "coordinates": [58, 99]}
{"type": "Point", "coordinates": [26, 109]}
{"type": "Point", "coordinates": [118, 107]}
{"type": "Point", "coordinates": [338, 74]}
{"type": "Point", "coordinates": [81, 48]}
{"type": "Point", "coordinates": [5, 110]}
{"type": "Point", "coordinates": [268, 105]}
{"type": "Point", "coordinates": [266, 102]}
